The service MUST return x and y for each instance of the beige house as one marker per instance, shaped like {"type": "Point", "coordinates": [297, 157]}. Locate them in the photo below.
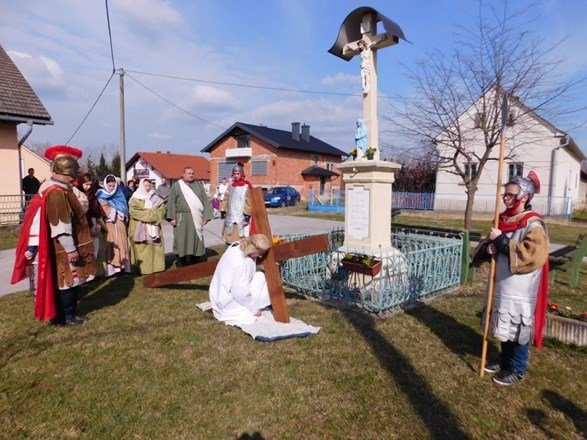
{"type": "Point", "coordinates": [18, 105]}
{"type": "Point", "coordinates": [532, 144]}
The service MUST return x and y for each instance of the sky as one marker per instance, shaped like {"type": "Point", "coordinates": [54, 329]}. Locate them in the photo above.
{"type": "Point", "coordinates": [183, 58]}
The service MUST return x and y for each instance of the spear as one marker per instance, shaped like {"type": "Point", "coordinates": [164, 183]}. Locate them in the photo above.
{"type": "Point", "coordinates": [491, 287]}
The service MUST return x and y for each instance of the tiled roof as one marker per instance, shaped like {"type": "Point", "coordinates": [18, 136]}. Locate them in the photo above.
{"type": "Point", "coordinates": [279, 139]}
{"type": "Point", "coordinates": [315, 170]}
{"type": "Point", "coordinates": [171, 165]}
{"type": "Point", "coordinates": [18, 101]}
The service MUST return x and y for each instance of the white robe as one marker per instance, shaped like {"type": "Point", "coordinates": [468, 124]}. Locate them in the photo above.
{"type": "Point", "coordinates": [237, 292]}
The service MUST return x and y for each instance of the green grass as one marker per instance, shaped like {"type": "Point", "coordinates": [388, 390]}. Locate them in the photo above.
{"type": "Point", "coordinates": [148, 364]}
{"type": "Point", "coordinates": [580, 216]}
{"type": "Point", "coordinates": [8, 237]}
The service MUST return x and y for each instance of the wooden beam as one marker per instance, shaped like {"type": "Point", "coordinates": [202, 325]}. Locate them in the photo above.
{"type": "Point", "coordinates": [300, 247]}
{"type": "Point", "coordinates": [178, 275]}
{"type": "Point", "coordinates": [272, 274]}
{"type": "Point", "coordinates": [282, 251]}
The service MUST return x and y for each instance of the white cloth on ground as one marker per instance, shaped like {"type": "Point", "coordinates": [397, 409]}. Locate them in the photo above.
{"type": "Point", "coordinates": [267, 329]}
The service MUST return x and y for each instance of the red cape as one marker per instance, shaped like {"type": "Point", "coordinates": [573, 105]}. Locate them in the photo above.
{"type": "Point", "coordinates": [45, 307]}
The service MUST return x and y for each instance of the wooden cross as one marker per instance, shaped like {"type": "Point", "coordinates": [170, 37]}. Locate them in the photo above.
{"type": "Point", "coordinates": [277, 253]}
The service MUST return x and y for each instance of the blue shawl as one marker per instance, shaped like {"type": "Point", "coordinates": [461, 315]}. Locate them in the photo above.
{"type": "Point", "coordinates": [115, 199]}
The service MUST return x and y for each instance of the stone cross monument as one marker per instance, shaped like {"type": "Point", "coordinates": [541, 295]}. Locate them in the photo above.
{"type": "Point", "coordinates": [367, 182]}
{"type": "Point", "coordinates": [358, 36]}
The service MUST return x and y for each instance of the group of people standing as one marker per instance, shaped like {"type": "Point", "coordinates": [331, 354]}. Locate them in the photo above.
{"type": "Point", "coordinates": [76, 229]}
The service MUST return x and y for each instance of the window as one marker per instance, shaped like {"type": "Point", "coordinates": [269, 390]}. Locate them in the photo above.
{"type": "Point", "coordinates": [470, 170]}
{"type": "Point", "coordinates": [515, 169]}
{"type": "Point", "coordinates": [330, 166]}
{"type": "Point", "coordinates": [225, 169]}
{"type": "Point", "coordinates": [242, 141]}
{"type": "Point", "coordinates": [479, 118]}
{"type": "Point", "coordinates": [259, 168]}
{"type": "Point", "coordinates": [511, 119]}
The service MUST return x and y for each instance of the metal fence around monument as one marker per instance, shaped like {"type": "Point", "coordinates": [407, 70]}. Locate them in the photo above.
{"type": "Point", "coordinates": [420, 266]}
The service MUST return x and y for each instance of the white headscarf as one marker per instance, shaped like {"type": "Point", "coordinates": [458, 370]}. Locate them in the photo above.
{"type": "Point", "coordinates": [142, 194]}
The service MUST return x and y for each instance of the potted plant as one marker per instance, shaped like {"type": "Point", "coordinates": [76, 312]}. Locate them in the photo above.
{"type": "Point", "coordinates": [361, 263]}
{"type": "Point", "coordinates": [370, 152]}
{"type": "Point", "coordinates": [566, 325]}
{"type": "Point", "coordinates": [353, 153]}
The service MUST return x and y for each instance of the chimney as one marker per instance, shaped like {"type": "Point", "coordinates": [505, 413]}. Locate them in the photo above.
{"type": "Point", "coordinates": [295, 131]}
{"type": "Point", "coordinates": [306, 132]}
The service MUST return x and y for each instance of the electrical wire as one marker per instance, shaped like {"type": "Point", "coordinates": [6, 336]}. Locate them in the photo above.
{"type": "Point", "coordinates": [251, 86]}
{"type": "Point", "coordinates": [91, 108]}
{"type": "Point", "coordinates": [110, 37]}
{"type": "Point", "coordinates": [171, 103]}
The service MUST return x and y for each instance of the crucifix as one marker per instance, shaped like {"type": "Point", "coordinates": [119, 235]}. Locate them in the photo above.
{"type": "Point", "coordinates": [358, 36]}
{"type": "Point", "coordinates": [277, 253]}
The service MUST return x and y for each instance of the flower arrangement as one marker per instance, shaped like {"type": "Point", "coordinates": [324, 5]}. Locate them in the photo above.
{"type": "Point", "coordinates": [276, 239]}
{"type": "Point", "coordinates": [360, 258]}
{"type": "Point", "coordinates": [370, 152]}
{"type": "Point", "coordinates": [567, 312]}
{"type": "Point", "coordinates": [361, 263]}
{"type": "Point", "coordinates": [353, 153]}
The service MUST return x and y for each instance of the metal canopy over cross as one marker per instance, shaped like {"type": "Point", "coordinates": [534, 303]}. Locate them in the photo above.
{"type": "Point", "coordinates": [358, 36]}
{"type": "Point", "coordinates": [277, 253]}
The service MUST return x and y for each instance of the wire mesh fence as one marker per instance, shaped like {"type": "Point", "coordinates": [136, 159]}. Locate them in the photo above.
{"type": "Point", "coordinates": [418, 266]}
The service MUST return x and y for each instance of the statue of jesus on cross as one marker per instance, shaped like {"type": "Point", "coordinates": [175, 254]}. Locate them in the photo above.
{"type": "Point", "coordinates": [358, 36]}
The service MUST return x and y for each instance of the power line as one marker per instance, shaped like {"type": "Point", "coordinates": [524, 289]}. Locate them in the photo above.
{"type": "Point", "coordinates": [251, 86]}
{"type": "Point", "coordinates": [92, 108]}
{"type": "Point", "coordinates": [110, 37]}
{"type": "Point", "coordinates": [171, 103]}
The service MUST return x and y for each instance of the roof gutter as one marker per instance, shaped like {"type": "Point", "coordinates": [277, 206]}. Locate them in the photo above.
{"type": "Point", "coordinates": [566, 140]}
{"type": "Point", "coordinates": [22, 119]}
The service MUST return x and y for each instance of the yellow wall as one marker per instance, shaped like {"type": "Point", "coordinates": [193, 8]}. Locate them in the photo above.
{"type": "Point", "coordinates": [9, 175]}
{"type": "Point", "coordinates": [9, 162]}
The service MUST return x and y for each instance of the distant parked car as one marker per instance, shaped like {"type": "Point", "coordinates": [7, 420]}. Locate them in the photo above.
{"type": "Point", "coordinates": [281, 196]}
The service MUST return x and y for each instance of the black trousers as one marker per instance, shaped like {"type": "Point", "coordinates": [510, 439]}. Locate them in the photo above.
{"type": "Point", "coordinates": [66, 301]}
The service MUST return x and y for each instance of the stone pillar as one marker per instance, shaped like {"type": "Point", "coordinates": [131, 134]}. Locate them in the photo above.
{"type": "Point", "coordinates": [367, 219]}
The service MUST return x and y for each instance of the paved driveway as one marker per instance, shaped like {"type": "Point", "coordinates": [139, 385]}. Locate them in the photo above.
{"type": "Point", "coordinates": [280, 224]}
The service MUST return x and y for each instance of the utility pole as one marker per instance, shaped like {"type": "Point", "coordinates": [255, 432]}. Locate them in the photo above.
{"type": "Point", "coordinates": [122, 129]}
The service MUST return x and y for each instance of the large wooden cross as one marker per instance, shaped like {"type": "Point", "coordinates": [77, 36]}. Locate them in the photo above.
{"type": "Point", "coordinates": [277, 253]}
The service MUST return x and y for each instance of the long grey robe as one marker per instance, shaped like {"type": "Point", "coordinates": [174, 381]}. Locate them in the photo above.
{"type": "Point", "coordinates": [185, 238]}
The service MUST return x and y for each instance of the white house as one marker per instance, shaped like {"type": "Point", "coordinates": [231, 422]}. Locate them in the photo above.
{"type": "Point", "coordinates": [532, 143]}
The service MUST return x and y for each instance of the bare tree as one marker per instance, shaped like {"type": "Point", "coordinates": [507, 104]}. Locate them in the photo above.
{"type": "Point", "coordinates": [452, 90]}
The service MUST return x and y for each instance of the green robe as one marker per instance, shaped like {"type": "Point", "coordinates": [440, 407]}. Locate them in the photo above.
{"type": "Point", "coordinates": [146, 257]}
{"type": "Point", "coordinates": [185, 239]}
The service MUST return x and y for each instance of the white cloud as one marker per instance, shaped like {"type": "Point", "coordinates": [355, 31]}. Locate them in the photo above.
{"type": "Point", "coordinates": [213, 98]}
{"type": "Point", "coordinates": [341, 78]}
{"type": "Point", "coordinates": [41, 72]}
{"type": "Point", "coordinates": [149, 18]}
{"type": "Point", "coordinates": [160, 136]}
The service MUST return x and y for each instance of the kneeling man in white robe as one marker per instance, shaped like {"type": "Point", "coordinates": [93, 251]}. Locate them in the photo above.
{"type": "Point", "coordinates": [237, 291]}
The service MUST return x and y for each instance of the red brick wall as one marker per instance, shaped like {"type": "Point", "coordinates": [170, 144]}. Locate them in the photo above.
{"type": "Point", "coordinates": [284, 166]}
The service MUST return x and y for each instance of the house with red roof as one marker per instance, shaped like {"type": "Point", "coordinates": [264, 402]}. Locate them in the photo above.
{"type": "Point", "coordinates": [274, 157]}
{"type": "Point", "coordinates": [155, 165]}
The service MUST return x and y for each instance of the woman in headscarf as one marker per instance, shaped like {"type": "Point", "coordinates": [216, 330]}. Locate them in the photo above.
{"type": "Point", "coordinates": [95, 213]}
{"type": "Point", "coordinates": [113, 202]}
{"type": "Point", "coordinates": [147, 211]}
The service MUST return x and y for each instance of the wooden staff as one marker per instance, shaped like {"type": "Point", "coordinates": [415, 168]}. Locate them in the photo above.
{"type": "Point", "coordinates": [491, 287]}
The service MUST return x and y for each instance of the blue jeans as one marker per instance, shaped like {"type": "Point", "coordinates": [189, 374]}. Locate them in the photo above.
{"type": "Point", "coordinates": [514, 356]}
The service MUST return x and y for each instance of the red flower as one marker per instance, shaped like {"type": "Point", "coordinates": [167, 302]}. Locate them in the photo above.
{"type": "Point", "coordinates": [553, 307]}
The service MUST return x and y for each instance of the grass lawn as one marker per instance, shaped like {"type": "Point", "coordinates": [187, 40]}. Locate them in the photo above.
{"type": "Point", "coordinates": [149, 365]}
